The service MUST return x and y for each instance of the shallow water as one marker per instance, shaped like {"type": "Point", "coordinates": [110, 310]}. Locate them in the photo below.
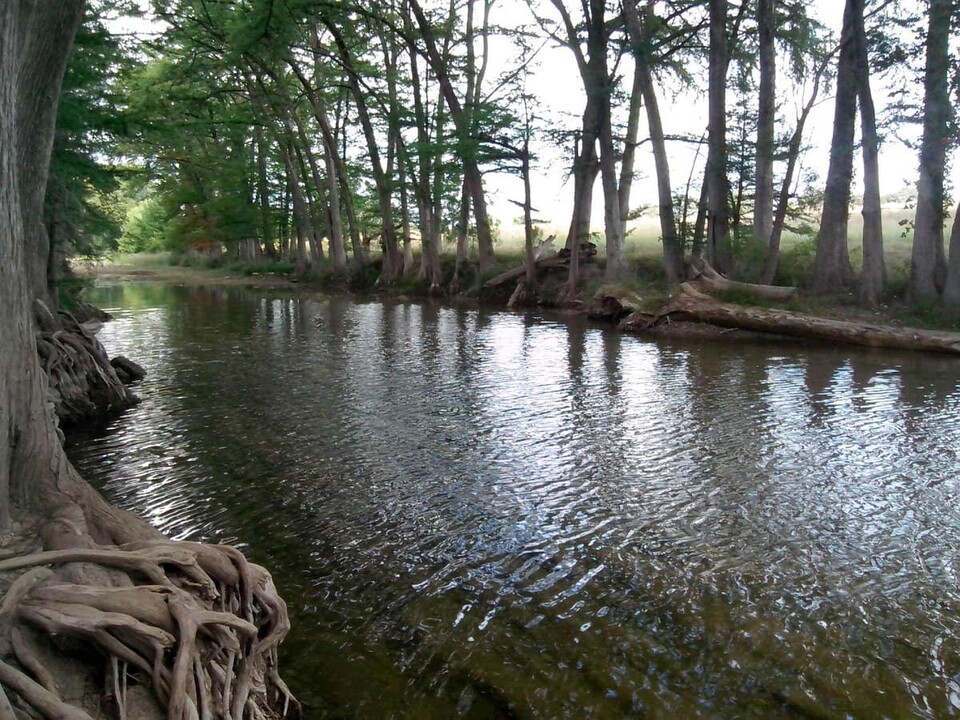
{"type": "Point", "coordinates": [490, 515]}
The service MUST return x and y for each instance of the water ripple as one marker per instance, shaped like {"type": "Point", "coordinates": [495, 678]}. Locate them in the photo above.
{"type": "Point", "coordinates": [491, 515]}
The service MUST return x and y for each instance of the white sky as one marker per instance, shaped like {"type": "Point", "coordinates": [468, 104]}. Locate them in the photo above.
{"type": "Point", "coordinates": [558, 80]}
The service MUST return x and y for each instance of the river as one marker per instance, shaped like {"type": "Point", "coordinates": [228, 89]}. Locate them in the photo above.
{"type": "Point", "coordinates": [490, 515]}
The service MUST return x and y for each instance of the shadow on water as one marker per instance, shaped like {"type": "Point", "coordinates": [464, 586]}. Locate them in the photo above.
{"type": "Point", "coordinates": [489, 515]}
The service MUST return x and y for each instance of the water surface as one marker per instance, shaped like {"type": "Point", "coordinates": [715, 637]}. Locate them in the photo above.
{"type": "Point", "coordinates": [489, 515]}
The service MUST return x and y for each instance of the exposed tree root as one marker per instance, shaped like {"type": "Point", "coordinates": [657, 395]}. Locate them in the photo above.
{"type": "Point", "coordinates": [200, 623]}
{"type": "Point", "coordinates": [82, 382]}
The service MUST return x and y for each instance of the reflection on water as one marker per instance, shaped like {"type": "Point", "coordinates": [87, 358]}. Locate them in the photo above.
{"type": "Point", "coordinates": [492, 515]}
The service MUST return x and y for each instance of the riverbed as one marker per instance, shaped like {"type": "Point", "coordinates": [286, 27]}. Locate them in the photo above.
{"type": "Point", "coordinates": [482, 514]}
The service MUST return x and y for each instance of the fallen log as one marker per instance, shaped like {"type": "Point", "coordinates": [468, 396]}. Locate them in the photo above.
{"type": "Point", "coordinates": [549, 262]}
{"type": "Point", "coordinates": [691, 304]}
{"type": "Point", "coordinates": [712, 280]}
{"type": "Point", "coordinates": [611, 302]}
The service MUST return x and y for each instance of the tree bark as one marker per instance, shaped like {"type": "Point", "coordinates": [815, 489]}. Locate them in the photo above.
{"type": "Point", "coordinates": [473, 179]}
{"type": "Point", "coordinates": [338, 180]}
{"type": "Point", "coordinates": [392, 262]}
{"type": "Point", "coordinates": [718, 220]}
{"type": "Point", "coordinates": [927, 263]}
{"type": "Point", "coordinates": [951, 288]}
{"type": "Point", "coordinates": [831, 269]}
{"type": "Point", "coordinates": [783, 201]}
{"type": "Point", "coordinates": [766, 123]}
{"type": "Point", "coordinates": [672, 245]}
{"type": "Point", "coordinates": [48, 28]}
{"type": "Point", "coordinates": [873, 272]}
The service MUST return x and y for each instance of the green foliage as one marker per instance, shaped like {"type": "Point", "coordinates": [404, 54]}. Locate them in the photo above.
{"type": "Point", "coordinates": [145, 227]}
{"type": "Point", "coordinates": [796, 263]}
{"type": "Point", "coordinates": [80, 209]}
{"type": "Point", "coordinates": [260, 267]}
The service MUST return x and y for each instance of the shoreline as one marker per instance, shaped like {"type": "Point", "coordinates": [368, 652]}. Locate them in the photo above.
{"type": "Point", "coordinates": [818, 320]}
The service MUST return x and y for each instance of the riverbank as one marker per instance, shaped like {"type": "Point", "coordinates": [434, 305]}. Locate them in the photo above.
{"type": "Point", "coordinates": [641, 305]}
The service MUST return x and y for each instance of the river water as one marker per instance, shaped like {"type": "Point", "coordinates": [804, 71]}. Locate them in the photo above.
{"type": "Point", "coordinates": [489, 515]}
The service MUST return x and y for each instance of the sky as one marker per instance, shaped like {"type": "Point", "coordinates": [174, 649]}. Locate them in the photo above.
{"type": "Point", "coordinates": [558, 80]}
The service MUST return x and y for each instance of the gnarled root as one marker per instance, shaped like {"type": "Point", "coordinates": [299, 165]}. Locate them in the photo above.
{"type": "Point", "coordinates": [200, 623]}
{"type": "Point", "coordinates": [82, 382]}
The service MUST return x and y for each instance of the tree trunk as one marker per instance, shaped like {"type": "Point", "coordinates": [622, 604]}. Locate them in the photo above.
{"type": "Point", "coordinates": [783, 201]}
{"type": "Point", "coordinates": [338, 180]}
{"type": "Point", "coordinates": [690, 304]}
{"type": "Point", "coordinates": [429, 236]}
{"type": "Point", "coordinates": [301, 218]}
{"type": "Point", "coordinates": [831, 269]}
{"type": "Point", "coordinates": [263, 196]}
{"type": "Point", "coordinates": [192, 640]}
{"type": "Point", "coordinates": [766, 123]}
{"type": "Point", "coordinates": [873, 272]}
{"type": "Point", "coordinates": [314, 212]}
{"type": "Point", "coordinates": [639, 38]}
{"type": "Point", "coordinates": [473, 180]}
{"type": "Point", "coordinates": [951, 288]}
{"type": "Point", "coordinates": [46, 26]}
{"type": "Point", "coordinates": [531, 261]}
{"type": "Point", "coordinates": [392, 263]}
{"type": "Point", "coordinates": [616, 261]}
{"type": "Point", "coordinates": [718, 220]}
{"type": "Point", "coordinates": [927, 264]}
{"type": "Point", "coordinates": [629, 155]}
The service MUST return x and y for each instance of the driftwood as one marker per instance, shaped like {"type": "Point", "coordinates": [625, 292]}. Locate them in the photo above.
{"type": "Point", "coordinates": [691, 304]}
{"type": "Point", "coordinates": [553, 261]}
{"type": "Point", "coordinates": [710, 279]}
{"type": "Point", "coordinates": [611, 302]}
{"type": "Point", "coordinates": [588, 251]}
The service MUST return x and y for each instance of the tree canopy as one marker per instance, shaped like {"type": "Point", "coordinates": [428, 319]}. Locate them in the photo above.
{"type": "Point", "coordinates": [336, 134]}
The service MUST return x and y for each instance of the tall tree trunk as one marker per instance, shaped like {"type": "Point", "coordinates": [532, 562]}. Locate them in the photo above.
{"type": "Point", "coordinates": [629, 155]}
{"type": "Point", "coordinates": [783, 200]}
{"type": "Point", "coordinates": [45, 25]}
{"type": "Point", "coordinates": [718, 221]}
{"type": "Point", "coordinates": [392, 263]}
{"type": "Point", "coordinates": [873, 272]}
{"type": "Point", "coordinates": [328, 222]}
{"type": "Point", "coordinates": [616, 261]}
{"type": "Point", "coordinates": [338, 180]}
{"type": "Point", "coordinates": [639, 38]}
{"type": "Point", "coordinates": [301, 217]}
{"type": "Point", "coordinates": [586, 167]}
{"type": "Point", "coordinates": [408, 266]}
{"type": "Point", "coordinates": [463, 227]}
{"type": "Point", "coordinates": [831, 268]}
{"type": "Point", "coordinates": [313, 211]}
{"type": "Point", "coordinates": [766, 122]}
{"type": "Point", "coordinates": [951, 288]}
{"type": "Point", "coordinates": [263, 196]}
{"type": "Point", "coordinates": [927, 263]}
{"type": "Point", "coordinates": [473, 180]}
{"type": "Point", "coordinates": [429, 226]}
{"type": "Point", "coordinates": [531, 262]}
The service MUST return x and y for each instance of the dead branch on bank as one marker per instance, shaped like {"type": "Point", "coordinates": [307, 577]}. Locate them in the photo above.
{"type": "Point", "coordinates": [710, 279]}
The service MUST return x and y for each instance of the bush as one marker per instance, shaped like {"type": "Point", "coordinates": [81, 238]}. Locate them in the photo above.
{"type": "Point", "coordinates": [796, 263]}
